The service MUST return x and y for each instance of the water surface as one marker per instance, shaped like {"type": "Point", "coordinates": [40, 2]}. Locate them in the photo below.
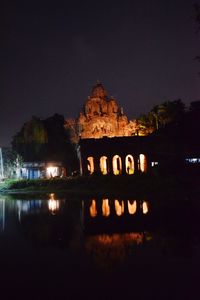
{"type": "Point", "coordinates": [98, 248]}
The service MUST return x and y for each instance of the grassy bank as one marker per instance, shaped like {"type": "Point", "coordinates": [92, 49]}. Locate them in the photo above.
{"type": "Point", "coordinates": [109, 185]}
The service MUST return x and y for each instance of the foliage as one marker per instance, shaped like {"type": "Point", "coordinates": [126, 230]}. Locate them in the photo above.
{"type": "Point", "coordinates": [11, 162]}
{"type": "Point", "coordinates": [31, 140]}
{"type": "Point", "coordinates": [161, 115]}
{"type": "Point", "coordinates": [46, 140]}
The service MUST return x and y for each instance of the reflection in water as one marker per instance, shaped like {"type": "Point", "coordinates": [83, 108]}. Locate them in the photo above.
{"type": "Point", "coordinates": [111, 231]}
{"type": "Point", "coordinates": [93, 209]}
{"type": "Point", "coordinates": [119, 208]}
{"type": "Point", "coordinates": [53, 204]}
{"type": "Point", "coordinates": [145, 207]}
{"type": "Point", "coordinates": [105, 208]}
{"type": "Point", "coordinates": [132, 207]}
{"type": "Point", "coordinates": [108, 251]}
{"type": "Point", "coordinates": [116, 238]}
{"type": "Point", "coordinates": [2, 214]}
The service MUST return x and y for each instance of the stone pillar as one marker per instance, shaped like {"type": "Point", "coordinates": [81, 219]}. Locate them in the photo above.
{"type": "Point", "coordinates": [123, 159]}
{"type": "Point", "coordinates": [136, 163]}
{"type": "Point", "coordinates": [110, 167]}
{"type": "Point", "coordinates": [97, 164]}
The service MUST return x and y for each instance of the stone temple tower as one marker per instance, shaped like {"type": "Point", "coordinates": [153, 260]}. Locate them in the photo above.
{"type": "Point", "coordinates": [101, 116]}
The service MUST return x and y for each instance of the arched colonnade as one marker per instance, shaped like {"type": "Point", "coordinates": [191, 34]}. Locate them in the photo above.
{"type": "Point", "coordinates": [117, 164]}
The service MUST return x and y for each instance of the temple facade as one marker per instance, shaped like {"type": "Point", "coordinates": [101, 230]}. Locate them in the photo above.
{"type": "Point", "coordinates": [101, 116]}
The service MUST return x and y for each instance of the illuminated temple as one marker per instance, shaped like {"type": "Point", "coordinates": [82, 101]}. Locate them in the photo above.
{"type": "Point", "coordinates": [101, 116]}
{"type": "Point", "coordinates": [108, 142]}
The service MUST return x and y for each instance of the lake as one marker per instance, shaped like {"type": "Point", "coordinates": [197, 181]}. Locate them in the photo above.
{"type": "Point", "coordinates": [98, 248]}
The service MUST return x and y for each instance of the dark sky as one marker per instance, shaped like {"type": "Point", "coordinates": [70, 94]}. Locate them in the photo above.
{"type": "Point", "coordinates": [53, 52]}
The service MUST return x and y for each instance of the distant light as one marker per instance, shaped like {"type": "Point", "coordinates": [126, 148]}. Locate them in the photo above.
{"type": "Point", "coordinates": [154, 163]}
{"type": "Point", "coordinates": [52, 171]}
{"type": "Point", "coordinates": [193, 160]}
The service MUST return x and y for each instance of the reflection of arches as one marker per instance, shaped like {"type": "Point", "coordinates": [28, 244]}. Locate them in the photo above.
{"type": "Point", "coordinates": [142, 163]}
{"type": "Point", "coordinates": [119, 208]}
{"type": "Point", "coordinates": [93, 209]}
{"type": "Point", "coordinates": [90, 164]}
{"type": "Point", "coordinates": [129, 162]}
{"type": "Point", "coordinates": [104, 165]}
{"type": "Point", "coordinates": [105, 208]}
{"type": "Point", "coordinates": [132, 206]}
{"type": "Point", "coordinates": [117, 165]}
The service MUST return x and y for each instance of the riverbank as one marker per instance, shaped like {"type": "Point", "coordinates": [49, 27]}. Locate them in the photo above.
{"type": "Point", "coordinates": [141, 185]}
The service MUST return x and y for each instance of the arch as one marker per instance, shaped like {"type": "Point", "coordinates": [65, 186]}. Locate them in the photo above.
{"type": "Point", "coordinates": [117, 165]}
{"type": "Point", "coordinates": [90, 164]}
{"type": "Point", "coordinates": [129, 163]}
{"type": "Point", "coordinates": [104, 165]}
{"type": "Point", "coordinates": [142, 166]}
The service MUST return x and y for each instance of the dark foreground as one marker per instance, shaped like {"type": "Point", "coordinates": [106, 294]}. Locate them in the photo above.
{"type": "Point", "coordinates": [98, 248]}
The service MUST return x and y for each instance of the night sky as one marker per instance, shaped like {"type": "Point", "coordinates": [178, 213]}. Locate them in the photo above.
{"type": "Point", "coordinates": [53, 52]}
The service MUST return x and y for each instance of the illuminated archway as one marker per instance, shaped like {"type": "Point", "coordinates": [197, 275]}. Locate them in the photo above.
{"type": "Point", "coordinates": [129, 162]}
{"type": "Point", "coordinates": [142, 163]}
{"type": "Point", "coordinates": [90, 164]}
{"type": "Point", "coordinates": [117, 165]}
{"type": "Point", "coordinates": [104, 165]}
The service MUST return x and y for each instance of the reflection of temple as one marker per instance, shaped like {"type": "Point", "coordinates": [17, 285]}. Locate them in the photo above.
{"type": "Point", "coordinates": [101, 116]}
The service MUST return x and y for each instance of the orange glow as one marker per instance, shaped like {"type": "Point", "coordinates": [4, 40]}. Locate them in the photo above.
{"type": "Point", "coordinates": [117, 238]}
{"type": "Point", "coordinates": [142, 163]}
{"type": "Point", "coordinates": [93, 209]}
{"type": "Point", "coordinates": [103, 165]}
{"type": "Point", "coordinates": [119, 208]}
{"type": "Point", "coordinates": [53, 204]}
{"type": "Point", "coordinates": [145, 208]}
{"type": "Point", "coordinates": [132, 207]}
{"type": "Point", "coordinates": [105, 208]}
{"type": "Point", "coordinates": [90, 165]}
{"type": "Point", "coordinates": [117, 165]}
{"type": "Point", "coordinates": [129, 164]}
